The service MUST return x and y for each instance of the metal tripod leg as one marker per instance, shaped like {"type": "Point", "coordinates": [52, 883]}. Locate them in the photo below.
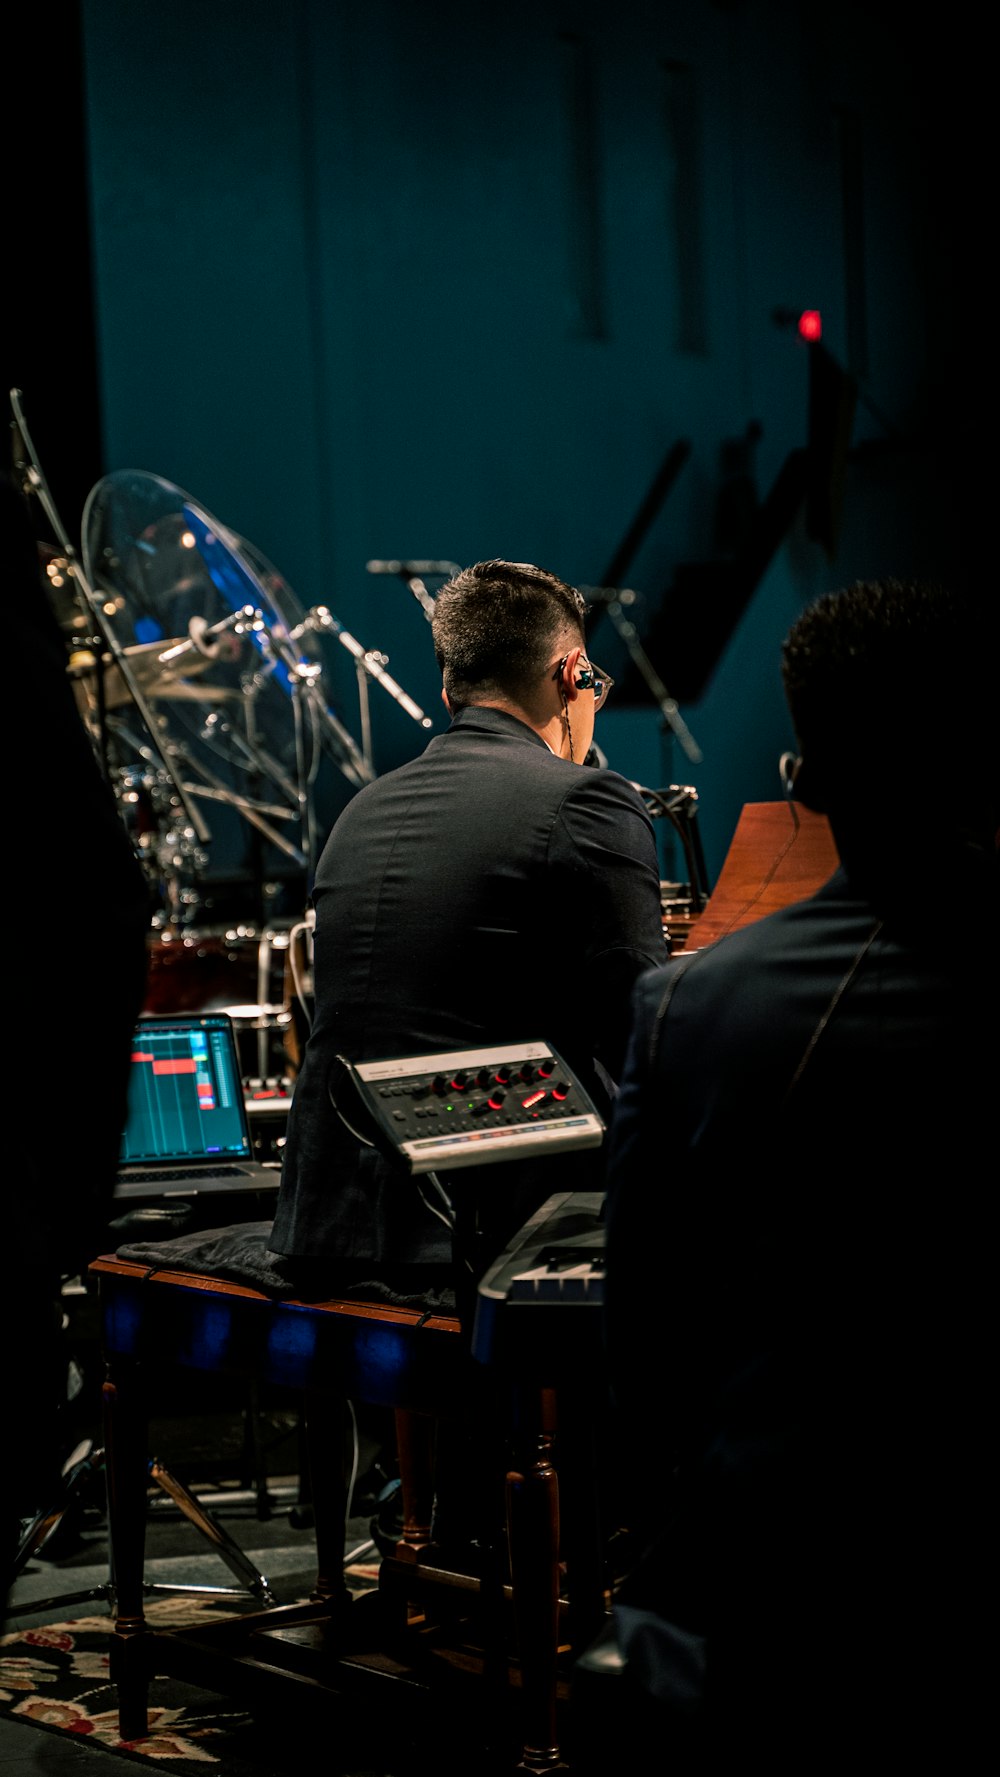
{"type": "Point", "coordinates": [230, 1551]}
{"type": "Point", "coordinates": [80, 1463]}
{"type": "Point", "coordinates": [86, 1460]}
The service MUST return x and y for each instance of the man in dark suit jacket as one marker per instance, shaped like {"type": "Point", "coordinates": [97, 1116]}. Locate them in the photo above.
{"type": "Point", "coordinates": [795, 1233]}
{"type": "Point", "coordinates": [496, 889]}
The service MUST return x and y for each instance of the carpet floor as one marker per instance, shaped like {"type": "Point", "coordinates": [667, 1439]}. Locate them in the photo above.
{"type": "Point", "coordinates": [59, 1708]}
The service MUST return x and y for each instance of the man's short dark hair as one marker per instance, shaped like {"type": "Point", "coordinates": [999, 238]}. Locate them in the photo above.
{"type": "Point", "coordinates": [883, 679]}
{"type": "Point", "coordinates": [496, 626]}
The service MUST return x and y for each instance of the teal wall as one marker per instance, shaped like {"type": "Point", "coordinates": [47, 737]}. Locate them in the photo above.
{"type": "Point", "coordinates": [442, 281]}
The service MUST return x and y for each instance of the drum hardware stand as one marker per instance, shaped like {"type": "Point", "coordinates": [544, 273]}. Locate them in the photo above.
{"type": "Point", "coordinates": [247, 618]}
{"type": "Point", "coordinates": [260, 763]}
{"type": "Point", "coordinates": [213, 789]}
{"type": "Point", "coordinates": [172, 848]}
{"type": "Point", "coordinates": [309, 707]}
{"type": "Point", "coordinates": [307, 702]}
{"type": "Point", "coordinates": [84, 1461]}
{"type": "Point", "coordinates": [203, 640]}
{"type": "Point", "coordinates": [306, 772]}
{"type": "Point", "coordinates": [369, 663]}
{"type": "Point", "coordinates": [34, 482]}
{"type": "Point", "coordinates": [305, 676]}
{"type": "Point", "coordinates": [258, 813]}
{"type": "Point", "coordinates": [355, 767]}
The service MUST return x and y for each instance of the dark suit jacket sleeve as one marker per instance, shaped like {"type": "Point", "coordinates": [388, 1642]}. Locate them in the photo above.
{"type": "Point", "coordinates": [604, 841]}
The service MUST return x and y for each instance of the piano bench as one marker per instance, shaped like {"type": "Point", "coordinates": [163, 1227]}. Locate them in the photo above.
{"type": "Point", "coordinates": [158, 1322]}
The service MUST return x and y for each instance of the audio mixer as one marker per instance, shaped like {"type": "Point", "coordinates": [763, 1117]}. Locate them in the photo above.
{"type": "Point", "coordinates": [470, 1107]}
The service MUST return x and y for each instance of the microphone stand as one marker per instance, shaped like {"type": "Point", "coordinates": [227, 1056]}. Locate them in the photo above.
{"type": "Point", "coordinates": [364, 707]}
{"type": "Point", "coordinates": [613, 600]}
{"type": "Point", "coordinates": [420, 593]}
{"type": "Point", "coordinates": [34, 482]}
{"type": "Point", "coordinates": [412, 575]}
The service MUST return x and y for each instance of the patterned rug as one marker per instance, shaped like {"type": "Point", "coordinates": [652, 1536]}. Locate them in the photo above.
{"type": "Point", "coordinates": [55, 1676]}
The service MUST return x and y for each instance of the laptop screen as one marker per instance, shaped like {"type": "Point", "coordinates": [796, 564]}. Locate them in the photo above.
{"type": "Point", "coordinates": [185, 1098]}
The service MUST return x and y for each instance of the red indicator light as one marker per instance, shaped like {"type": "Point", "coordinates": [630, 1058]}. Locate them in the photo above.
{"type": "Point", "coordinates": [533, 1098]}
{"type": "Point", "coordinates": [810, 324]}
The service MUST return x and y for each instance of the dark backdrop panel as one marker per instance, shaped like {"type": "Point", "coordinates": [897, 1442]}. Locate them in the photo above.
{"type": "Point", "coordinates": [433, 281]}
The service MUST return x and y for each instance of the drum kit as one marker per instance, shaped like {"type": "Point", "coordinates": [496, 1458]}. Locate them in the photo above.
{"type": "Point", "coordinates": [203, 683]}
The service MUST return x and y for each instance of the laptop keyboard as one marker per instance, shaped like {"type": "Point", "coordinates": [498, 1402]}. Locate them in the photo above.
{"type": "Point", "coordinates": [160, 1175]}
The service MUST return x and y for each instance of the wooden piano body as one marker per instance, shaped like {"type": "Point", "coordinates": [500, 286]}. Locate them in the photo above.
{"type": "Point", "coordinates": [780, 852]}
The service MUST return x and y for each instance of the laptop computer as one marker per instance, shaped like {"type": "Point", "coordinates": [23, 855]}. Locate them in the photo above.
{"type": "Point", "coordinates": [186, 1128]}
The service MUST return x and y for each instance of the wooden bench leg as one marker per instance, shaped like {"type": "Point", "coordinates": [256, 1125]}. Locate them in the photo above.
{"type": "Point", "coordinates": [325, 1420]}
{"type": "Point", "coordinates": [416, 1436]}
{"type": "Point", "coordinates": [126, 1464]}
{"type": "Point", "coordinates": [533, 1521]}
{"type": "Point", "coordinates": [415, 1440]}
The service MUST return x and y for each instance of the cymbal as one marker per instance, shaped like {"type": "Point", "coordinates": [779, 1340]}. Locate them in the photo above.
{"type": "Point", "coordinates": [154, 679]}
{"type": "Point", "coordinates": [146, 660]}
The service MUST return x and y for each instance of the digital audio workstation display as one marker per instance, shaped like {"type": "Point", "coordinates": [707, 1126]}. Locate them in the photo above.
{"type": "Point", "coordinates": [184, 1092]}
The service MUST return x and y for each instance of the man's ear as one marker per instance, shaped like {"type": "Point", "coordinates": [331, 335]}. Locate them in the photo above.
{"type": "Point", "coordinates": [445, 700]}
{"type": "Point", "coordinates": [789, 766]}
{"type": "Point", "coordinates": [567, 678]}
{"type": "Point", "coordinates": [806, 785]}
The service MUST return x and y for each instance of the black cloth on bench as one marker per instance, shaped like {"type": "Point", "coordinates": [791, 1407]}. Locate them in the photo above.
{"type": "Point", "coordinates": [239, 1254]}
